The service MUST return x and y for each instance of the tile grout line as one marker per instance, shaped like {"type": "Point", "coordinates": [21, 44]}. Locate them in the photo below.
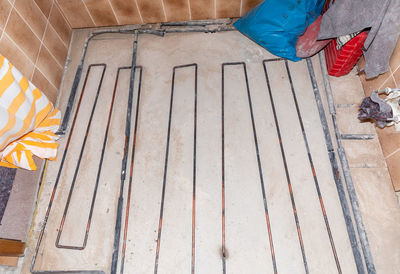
{"type": "Point", "coordinates": [392, 153]}
{"type": "Point", "coordinates": [165, 13]}
{"type": "Point", "coordinates": [115, 14]}
{"type": "Point", "coordinates": [88, 11]}
{"type": "Point", "coordinates": [190, 10]}
{"type": "Point", "coordinates": [397, 68]}
{"type": "Point", "coordinates": [46, 78]}
{"type": "Point", "coordinates": [40, 39]}
{"type": "Point", "coordinates": [62, 41]}
{"type": "Point", "coordinates": [36, 61]}
{"type": "Point", "coordinates": [18, 47]}
{"type": "Point", "coordinates": [60, 89]}
{"type": "Point", "coordinates": [138, 9]}
{"type": "Point", "coordinates": [241, 7]}
{"type": "Point", "coordinates": [48, 19]}
{"type": "Point", "coordinates": [393, 72]}
{"type": "Point", "coordinates": [8, 18]}
{"type": "Point", "coordinates": [63, 13]}
{"type": "Point", "coordinates": [58, 35]}
{"type": "Point", "coordinates": [387, 79]}
{"type": "Point", "coordinates": [215, 9]}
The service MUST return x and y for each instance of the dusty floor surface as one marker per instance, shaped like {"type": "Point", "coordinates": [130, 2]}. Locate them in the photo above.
{"type": "Point", "coordinates": [165, 239]}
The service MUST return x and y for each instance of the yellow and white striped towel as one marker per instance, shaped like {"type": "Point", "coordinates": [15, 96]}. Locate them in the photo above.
{"type": "Point", "coordinates": [28, 120]}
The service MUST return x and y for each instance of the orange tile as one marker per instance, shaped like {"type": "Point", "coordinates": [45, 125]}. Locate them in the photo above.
{"type": "Point", "coordinates": [384, 80]}
{"type": "Point", "coordinates": [101, 12]}
{"type": "Point", "coordinates": [60, 24]}
{"type": "Point", "coordinates": [49, 67]}
{"type": "Point", "coordinates": [32, 15]}
{"type": "Point", "coordinates": [396, 76]}
{"type": "Point", "coordinates": [228, 8]}
{"type": "Point", "coordinates": [16, 56]}
{"type": "Point", "coordinates": [202, 9]}
{"type": "Point", "coordinates": [380, 82]}
{"type": "Point", "coordinates": [5, 8]}
{"type": "Point", "coordinates": [393, 163]}
{"type": "Point", "coordinates": [45, 6]}
{"type": "Point", "coordinates": [76, 13]}
{"type": "Point", "coordinates": [41, 82]}
{"type": "Point", "coordinates": [177, 10]}
{"type": "Point", "coordinates": [22, 35]}
{"type": "Point", "coordinates": [395, 58]}
{"type": "Point", "coordinates": [126, 11]}
{"type": "Point", "coordinates": [248, 5]}
{"type": "Point", "coordinates": [151, 10]}
{"type": "Point", "coordinates": [55, 45]}
{"type": "Point", "coordinates": [361, 62]}
{"type": "Point", "coordinates": [389, 139]}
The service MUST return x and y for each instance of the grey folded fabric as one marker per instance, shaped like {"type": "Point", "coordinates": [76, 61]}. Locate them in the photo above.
{"type": "Point", "coordinates": [381, 17]}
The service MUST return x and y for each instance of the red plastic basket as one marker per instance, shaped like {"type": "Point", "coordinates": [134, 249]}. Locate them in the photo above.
{"type": "Point", "coordinates": [341, 62]}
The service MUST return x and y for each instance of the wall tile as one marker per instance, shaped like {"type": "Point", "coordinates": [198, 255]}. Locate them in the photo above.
{"type": "Point", "coordinates": [202, 9]}
{"type": "Point", "coordinates": [228, 8]}
{"type": "Point", "coordinates": [394, 170]}
{"type": "Point", "coordinates": [151, 11]}
{"type": "Point", "coordinates": [45, 6]}
{"type": "Point", "coordinates": [49, 67]}
{"type": "Point", "coordinates": [5, 8]}
{"type": "Point", "coordinates": [177, 10]}
{"type": "Point", "coordinates": [126, 11]}
{"type": "Point", "coordinates": [59, 23]}
{"type": "Point", "coordinates": [44, 85]}
{"type": "Point", "coordinates": [248, 5]}
{"type": "Point", "coordinates": [76, 13]}
{"type": "Point", "coordinates": [55, 45]}
{"type": "Point", "coordinates": [21, 34]}
{"type": "Point", "coordinates": [32, 15]}
{"type": "Point", "coordinates": [16, 56]}
{"type": "Point", "coordinates": [101, 12]}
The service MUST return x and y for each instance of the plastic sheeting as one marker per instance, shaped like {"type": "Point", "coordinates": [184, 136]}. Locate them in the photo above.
{"type": "Point", "coordinates": [277, 24]}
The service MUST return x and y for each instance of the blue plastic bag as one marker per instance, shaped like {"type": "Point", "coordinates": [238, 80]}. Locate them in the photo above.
{"type": "Point", "coordinates": [277, 24]}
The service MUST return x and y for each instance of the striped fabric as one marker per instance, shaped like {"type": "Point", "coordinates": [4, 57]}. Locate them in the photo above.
{"type": "Point", "coordinates": [342, 40]}
{"type": "Point", "coordinates": [28, 120]}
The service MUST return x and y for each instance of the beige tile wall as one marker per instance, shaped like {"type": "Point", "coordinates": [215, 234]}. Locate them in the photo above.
{"type": "Point", "coordinates": [96, 13]}
{"type": "Point", "coordinates": [34, 36]}
{"type": "Point", "coordinates": [389, 137]}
